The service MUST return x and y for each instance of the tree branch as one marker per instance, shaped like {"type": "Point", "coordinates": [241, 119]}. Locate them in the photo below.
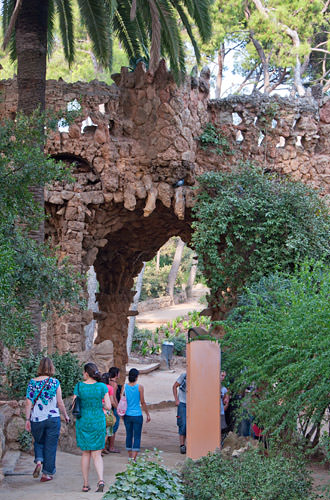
{"type": "Point", "coordinates": [12, 23]}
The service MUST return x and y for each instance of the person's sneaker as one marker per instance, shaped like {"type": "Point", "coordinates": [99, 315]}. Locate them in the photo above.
{"type": "Point", "coordinates": [183, 449]}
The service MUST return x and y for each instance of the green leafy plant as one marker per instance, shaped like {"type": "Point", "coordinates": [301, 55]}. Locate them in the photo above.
{"type": "Point", "coordinates": [251, 476]}
{"type": "Point", "coordinates": [146, 479]}
{"type": "Point", "coordinates": [248, 224]}
{"type": "Point", "coordinates": [213, 136]}
{"type": "Point", "coordinates": [25, 441]}
{"type": "Point", "coordinates": [278, 340]}
{"type": "Point", "coordinates": [67, 371]}
{"type": "Point", "coordinates": [29, 271]}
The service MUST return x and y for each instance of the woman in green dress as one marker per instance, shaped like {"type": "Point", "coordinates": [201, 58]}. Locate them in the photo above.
{"type": "Point", "coordinates": [90, 427]}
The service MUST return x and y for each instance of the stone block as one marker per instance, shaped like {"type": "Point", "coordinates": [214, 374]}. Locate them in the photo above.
{"type": "Point", "coordinates": [15, 426]}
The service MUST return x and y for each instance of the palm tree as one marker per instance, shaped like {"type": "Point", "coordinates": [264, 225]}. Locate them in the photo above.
{"type": "Point", "coordinates": [143, 27]}
{"type": "Point", "coordinates": [28, 27]}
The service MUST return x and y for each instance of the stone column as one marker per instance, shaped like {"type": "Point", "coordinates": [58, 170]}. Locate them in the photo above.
{"type": "Point", "coordinates": [113, 323]}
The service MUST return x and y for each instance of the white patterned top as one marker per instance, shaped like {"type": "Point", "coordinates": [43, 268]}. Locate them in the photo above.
{"type": "Point", "coordinates": [46, 406]}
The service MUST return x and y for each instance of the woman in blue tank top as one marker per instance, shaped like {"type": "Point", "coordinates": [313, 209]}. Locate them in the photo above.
{"type": "Point", "coordinates": [133, 419]}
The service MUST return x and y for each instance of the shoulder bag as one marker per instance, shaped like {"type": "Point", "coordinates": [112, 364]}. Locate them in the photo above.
{"type": "Point", "coordinates": [76, 406]}
{"type": "Point", "coordinates": [122, 405]}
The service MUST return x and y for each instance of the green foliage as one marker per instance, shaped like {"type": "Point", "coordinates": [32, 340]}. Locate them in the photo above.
{"type": "Point", "coordinates": [146, 342]}
{"type": "Point", "coordinates": [152, 29]}
{"type": "Point", "coordinates": [278, 340]}
{"type": "Point", "coordinates": [67, 371]}
{"type": "Point", "coordinates": [146, 479]}
{"type": "Point", "coordinates": [176, 331]}
{"type": "Point", "coordinates": [155, 280]}
{"type": "Point", "coordinates": [142, 340]}
{"type": "Point", "coordinates": [213, 136]}
{"type": "Point", "coordinates": [25, 441]}
{"type": "Point", "coordinates": [260, 31]}
{"type": "Point", "coordinates": [251, 476]}
{"type": "Point", "coordinates": [28, 270]}
{"type": "Point", "coordinates": [248, 223]}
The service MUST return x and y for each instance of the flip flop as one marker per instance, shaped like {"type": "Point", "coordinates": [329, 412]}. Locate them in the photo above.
{"type": "Point", "coordinates": [44, 479]}
{"type": "Point", "coordinates": [86, 489]}
{"type": "Point", "coordinates": [115, 450]}
{"type": "Point", "coordinates": [37, 470]}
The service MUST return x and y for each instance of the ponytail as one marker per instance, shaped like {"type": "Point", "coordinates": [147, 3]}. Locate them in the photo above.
{"type": "Point", "coordinates": [92, 371]}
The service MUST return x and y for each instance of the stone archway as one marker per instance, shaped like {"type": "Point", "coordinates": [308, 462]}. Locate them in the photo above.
{"type": "Point", "coordinates": [135, 161]}
{"type": "Point", "coordinates": [133, 240]}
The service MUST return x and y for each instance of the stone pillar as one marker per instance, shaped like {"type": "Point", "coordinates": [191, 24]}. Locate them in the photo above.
{"type": "Point", "coordinates": [113, 323]}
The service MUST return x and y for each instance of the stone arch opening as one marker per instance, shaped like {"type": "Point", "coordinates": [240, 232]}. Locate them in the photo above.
{"type": "Point", "coordinates": [117, 245]}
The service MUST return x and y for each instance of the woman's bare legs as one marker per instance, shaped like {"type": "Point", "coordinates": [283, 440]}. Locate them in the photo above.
{"type": "Point", "coordinates": [98, 462]}
{"type": "Point", "coordinates": [134, 454]}
{"type": "Point", "coordinates": [85, 464]}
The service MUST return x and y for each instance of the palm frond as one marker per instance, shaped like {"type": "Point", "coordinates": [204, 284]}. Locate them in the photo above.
{"type": "Point", "coordinates": [187, 25]}
{"type": "Point", "coordinates": [127, 31]}
{"type": "Point", "coordinates": [8, 7]}
{"type": "Point", "coordinates": [50, 28]}
{"type": "Point", "coordinates": [155, 36]}
{"type": "Point", "coordinates": [94, 15]}
{"type": "Point", "coordinates": [64, 10]}
{"type": "Point", "coordinates": [200, 12]}
{"type": "Point", "coordinates": [171, 41]}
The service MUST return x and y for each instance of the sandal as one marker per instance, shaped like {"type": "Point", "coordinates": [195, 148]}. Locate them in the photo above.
{"type": "Point", "coordinates": [86, 489]}
{"type": "Point", "coordinates": [100, 487]}
{"type": "Point", "coordinates": [114, 450]}
{"type": "Point", "coordinates": [37, 470]}
{"type": "Point", "coordinates": [44, 479]}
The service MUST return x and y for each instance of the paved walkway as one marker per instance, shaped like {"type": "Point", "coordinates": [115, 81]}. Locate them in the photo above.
{"type": "Point", "coordinates": [161, 433]}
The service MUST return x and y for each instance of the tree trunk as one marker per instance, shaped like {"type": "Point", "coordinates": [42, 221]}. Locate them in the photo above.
{"type": "Point", "coordinates": [221, 59]}
{"type": "Point", "coordinates": [134, 306]}
{"type": "Point", "coordinates": [158, 260]}
{"type": "Point", "coordinates": [175, 268]}
{"type": "Point", "coordinates": [191, 278]}
{"type": "Point", "coordinates": [31, 46]}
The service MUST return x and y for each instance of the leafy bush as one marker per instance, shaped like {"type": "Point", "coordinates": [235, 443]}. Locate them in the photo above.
{"type": "Point", "coordinates": [180, 325]}
{"type": "Point", "coordinates": [142, 340]}
{"type": "Point", "coordinates": [179, 345]}
{"type": "Point", "coordinates": [249, 224]}
{"type": "Point", "coordinates": [251, 476]}
{"type": "Point", "coordinates": [278, 340]}
{"type": "Point", "coordinates": [146, 479]}
{"type": "Point", "coordinates": [28, 271]}
{"type": "Point", "coordinates": [68, 371]}
{"type": "Point", "coordinates": [25, 441]}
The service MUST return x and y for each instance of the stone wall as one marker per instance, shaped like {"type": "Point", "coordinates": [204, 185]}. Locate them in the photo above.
{"type": "Point", "coordinates": [135, 161]}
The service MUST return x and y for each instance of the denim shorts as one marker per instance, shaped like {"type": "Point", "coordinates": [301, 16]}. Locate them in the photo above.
{"type": "Point", "coordinates": [181, 418]}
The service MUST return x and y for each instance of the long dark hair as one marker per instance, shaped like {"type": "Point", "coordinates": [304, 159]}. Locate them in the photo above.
{"type": "Point", "coordinates": [92, 371]}
{"type": "Point", "coordinates": [113, 372]}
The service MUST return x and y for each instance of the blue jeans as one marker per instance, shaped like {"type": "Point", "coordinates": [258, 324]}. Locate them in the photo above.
{"type": "Point", "coordinates": [46, 434]}
{"type": "Point", "coordinates": [115, 427]}
{"type": "Point", "coordinates": [181, 418]}
{"type": "Point", "coordinates": [133, 432]}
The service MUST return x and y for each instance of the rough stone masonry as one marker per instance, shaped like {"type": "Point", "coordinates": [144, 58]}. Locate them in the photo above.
{"type": "Point", "coordinates": [135, 154]}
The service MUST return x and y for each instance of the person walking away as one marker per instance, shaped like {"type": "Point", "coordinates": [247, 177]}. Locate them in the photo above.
{"type": "Point", "coordinates": [113, 381]}
{"type": "Point", "coordinates": [90, 427]}
{"type": "Point", "coordinates": [180, 401]}
{"type": "Point", "coordinates": [224, 402]}
{"type": "Point", "coordinates": [133, 418]}
{"type": "Point", "coordinates": [42, 412]}
{"type": "Point", "coordinates": [109, 429]}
